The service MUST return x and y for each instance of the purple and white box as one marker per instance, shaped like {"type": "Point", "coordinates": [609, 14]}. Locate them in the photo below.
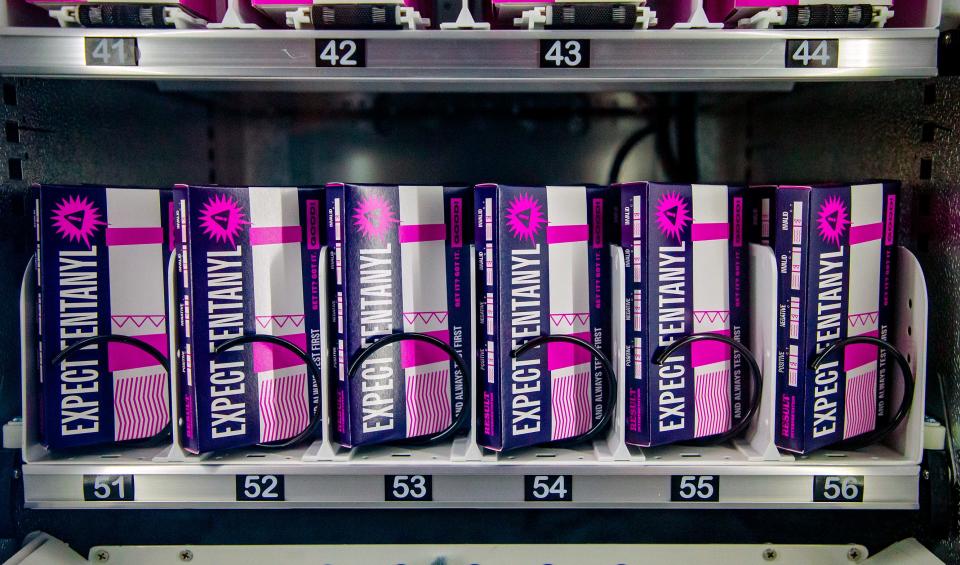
{"type": "Point", "coordinates": [835, 247]}
{"type": "Point", "coordinates": [248, 263]}
{"type": "Point", "coordinates": [686, 269]}
{"type": "Point", "coordinates": [399, 262]}
{"type": "Point", "coordinates": [543, 266]}
{"type": "Point", "coordinates": [101, 269]}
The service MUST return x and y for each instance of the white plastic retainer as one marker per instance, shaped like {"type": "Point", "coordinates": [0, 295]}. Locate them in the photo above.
{"type": "Point", "coordinates": [406, 17]}
{"type": "Point", "coordinates": [542, 16]}
{"type": "Point", "coordinates": [778, 16]}
{"type": "Point", "coordinates": [69, 16]}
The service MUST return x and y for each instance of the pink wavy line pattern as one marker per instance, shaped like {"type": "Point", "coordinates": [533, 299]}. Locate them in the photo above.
{"type": "Point", "coordinates": [140, 406]}
{"type": "Point", "coordinates": [712, 410]}
{"type": "Point", "coordinates": [570, 405]}
{"type": "Point", "coordinates": [156, 320]}
{"type": "Point", "coordinates": [863, 319]}
{"type": "Point", "coordinates": [284, 409]}
{"type": "Point", "coordinates": [425, 317]}
{"type": "Point", "coordinates": [428, 402]}
{"type": "Point", "coordinates": [570, 319]}
{"type": "Point", "coordinates": [280, 320]}
{"type": "Point", "coordinates": [860, 404]}
{"type": "Point", "coordinates": [711, 315]}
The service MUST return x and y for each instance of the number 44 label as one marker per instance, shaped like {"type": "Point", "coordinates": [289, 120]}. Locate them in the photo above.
{"type": "Point", "coordinates": [812, 53]}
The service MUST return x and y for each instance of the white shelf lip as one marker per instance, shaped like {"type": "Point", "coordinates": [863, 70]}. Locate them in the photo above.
{"type": "Point", "coordinates": [485, 60]}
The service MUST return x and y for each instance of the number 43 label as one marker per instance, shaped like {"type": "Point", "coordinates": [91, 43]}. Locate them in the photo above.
{"type": "Point", "coordinates": [812, 53]}
{"type": "Point", "coordinates": [564, 54]}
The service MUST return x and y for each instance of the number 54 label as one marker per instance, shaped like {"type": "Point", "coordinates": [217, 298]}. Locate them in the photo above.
{"type": "Point", "coordinates": [812, 53]}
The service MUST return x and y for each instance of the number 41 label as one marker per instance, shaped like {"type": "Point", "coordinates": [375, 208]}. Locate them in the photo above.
{"type": "Point", "coordinates": [812, 53]}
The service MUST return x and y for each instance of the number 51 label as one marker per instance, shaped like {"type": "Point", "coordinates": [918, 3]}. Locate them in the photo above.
{"type": "Point", "coordinates": [812, 53]}
{"type": "Point", "coordinates": [103, 488]}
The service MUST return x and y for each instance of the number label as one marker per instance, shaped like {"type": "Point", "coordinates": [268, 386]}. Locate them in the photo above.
{"type": "Point", "coordinates": [408, 488]}
{"type": "Point", "coordinates": [838, 489]}
{"type": "Point", "coordinates": [99, 488]}
{"type": "Point", "coordinates": [341, 53]}
{"type": "Point", "coordinates": [564, 54]}
{"type": "Point", "coordinates": [111, 51]}
{"type": "Point", "coordinates": [548, 488]}
{"type": "Point", "coordinates": [694, 488]}
{"type": "Point", "coordinates": [813, 53]}
{"type": "Point", "coordinates": [260, 487]}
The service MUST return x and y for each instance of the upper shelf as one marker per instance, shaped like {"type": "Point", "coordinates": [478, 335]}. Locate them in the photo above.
{"type": "Point", "coordinates": [474, 60]}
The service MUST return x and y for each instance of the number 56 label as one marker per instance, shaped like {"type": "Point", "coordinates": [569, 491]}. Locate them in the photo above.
{"type": "Point", "coordinates": [838, 488]}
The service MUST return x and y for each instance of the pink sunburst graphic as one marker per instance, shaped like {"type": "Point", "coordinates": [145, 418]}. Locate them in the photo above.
{"type": "Point", "coordinates": [832, 220]}
{"type": "Point", "coordinates": [373, 216]}
{"type": "Point", "coordinates": [222, 218]}
{"type": "Point", "coordinates": [524, 217]}
{"type": "Point", "coordinates": [673, 215]}
{"type": "Point", "coordinates": [77, 219]}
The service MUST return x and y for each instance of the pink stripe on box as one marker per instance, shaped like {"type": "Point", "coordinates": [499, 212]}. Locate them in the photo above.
{"type": "Point", "coordinates": [284, 408]}
{"type": "Point", "coordinates": [571, 407]}
{"type": "Point", "coordinates": [561, 355]}
{"type": "Point", "coordinates": [414, 233]}
{"type": "Point", "coordinates": [709, 351]}
{"type": "Point", "coordinates": [860, 404]}
{"type": "Point", "coordinates": [140, 406]}
{"type": "Point", "coordinates": [121, 356]}
{"type": "Point", "coordinates": [568, 234]}
{"type": "Point", "coordinates": [711, 403]}
{"type": "Point", "coordinates": [275, 235]}
{"type": "Point", "coordinates": [597, 236]}
{"type": "Point", "coordinates": [859, 354]}
{"type": "Point", "coordinates": [271, 357]}
{"type": "Point", "coordinates": [711, 231]}
{"type": "Point", "coordinates": [865, 233]}
{"type": "Point", "coordinates": [738, 222]}
{"type": "Point", "coordinates": [427, 402]}
{"type": "Point", "coordinates": [414, 353]}
{"type": "Point", "coordinates": [891, 219]}
{"type": "Point", "coordinates": [134, 236]}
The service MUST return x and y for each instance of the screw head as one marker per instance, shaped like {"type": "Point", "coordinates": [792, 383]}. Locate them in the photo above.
{"type": "Point", "coordinates": [101, 555]}
{"type": "Point", "coordinates": [769, 554]}
{"type": "Point", "coordinates": [854, 554]}
{"type": "Point", "coordinates": [186, 555]}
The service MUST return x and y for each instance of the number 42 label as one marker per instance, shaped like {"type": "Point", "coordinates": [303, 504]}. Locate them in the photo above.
{"type": "Point", "coordinates": [812, 53]}
{"type": "Point", "coordinates": [341, 53]}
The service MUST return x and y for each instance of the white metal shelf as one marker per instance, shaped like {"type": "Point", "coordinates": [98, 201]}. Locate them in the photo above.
{"type": "Point", "coordinates": [471, 60]}
{"type": "Point", "coordinates": [749, 473]}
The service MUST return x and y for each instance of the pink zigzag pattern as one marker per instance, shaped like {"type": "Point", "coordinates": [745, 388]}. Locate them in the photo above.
{"type": "Point", "coordinates": [425, 317]}
{"type": "Point", "coordinates": [570, 319]}
{"type": "Point", "coordinates": [281, 320]}
{"type": "Point", "coordinates": [139, 320]}
{"type": "Point", "coordinates": [863, 319]}
{"type": "Point", "coordinates": [711, 315]}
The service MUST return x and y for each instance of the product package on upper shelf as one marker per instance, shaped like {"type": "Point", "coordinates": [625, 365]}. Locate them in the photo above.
{"type": "Point", "coordinates": [544, 269]}
{"type": "Point", "coordinates": [800, 14]}
{"type": "Point", "coordinates": [399, 263]}
{"type": "Point", "coordinates": [835, 247]}
{"type": "Point", "coordinates": [686, 273]}
{"type": "Point", "coordinates": [355, 15]}
{"type": "Point", "coordinates": [248, 263]}
{"type": "Point", "coordinates": [148, 14]}
{"type": "Point", "coordinates": [102, 257]}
